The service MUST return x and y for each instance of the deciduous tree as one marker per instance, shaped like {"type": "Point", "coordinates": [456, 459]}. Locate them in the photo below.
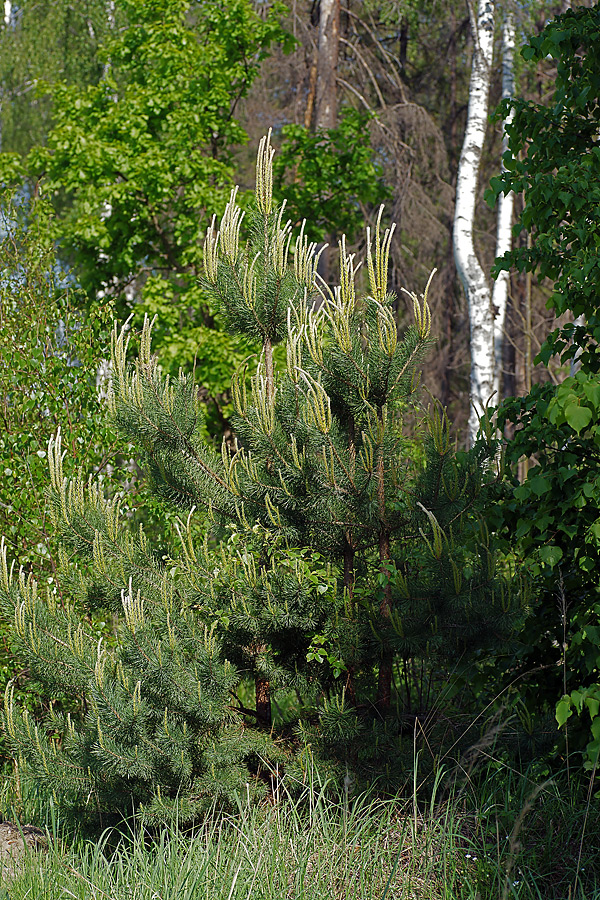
{"type": "Point", "coordinates": [554, 158]}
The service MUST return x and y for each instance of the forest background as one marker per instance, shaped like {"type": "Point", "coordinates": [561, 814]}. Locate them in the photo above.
{"type": "Point", "coordinates": [135, 136]}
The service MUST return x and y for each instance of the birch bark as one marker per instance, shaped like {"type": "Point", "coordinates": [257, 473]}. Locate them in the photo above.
{"type": "Point", "coordinates": [505, 208]}
{"type": "Point", "coordinates": [471, 273]}
{"type": "Point", "coordinates": [7, 23]}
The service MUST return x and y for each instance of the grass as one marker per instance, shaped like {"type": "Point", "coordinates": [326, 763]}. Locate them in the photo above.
{"type": "Point", "coordinates": [499, 839]}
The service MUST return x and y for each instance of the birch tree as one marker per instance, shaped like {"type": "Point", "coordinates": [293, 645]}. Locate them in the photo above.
{"type": "Point", "coordinates": [505, 206]}
{"type": "Point", "coordinates": [7, 21]}
{"type": "Point", "coordinates": [487, 307]}
{"type": "Point", "coordinates": [469, 268]}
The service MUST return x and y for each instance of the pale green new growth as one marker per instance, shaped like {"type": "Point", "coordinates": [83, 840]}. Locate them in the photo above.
{"type": "Point", "coordinates": [378, 268]}
{"type": "Point", "coordinates": [264, 175]}
{"type": "Point", "coordinates": [421, 309]}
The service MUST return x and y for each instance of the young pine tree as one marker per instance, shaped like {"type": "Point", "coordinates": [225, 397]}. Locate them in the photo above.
{"type": "Point", "coordinates": [341, 551]}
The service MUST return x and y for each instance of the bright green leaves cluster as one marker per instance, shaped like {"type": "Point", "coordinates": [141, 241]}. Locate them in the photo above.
{"type": "Point", "coordinates": [581, 702]}
{"type": "Point", "coordinates": [135, 159]}
{"type": "Point", "coordinates": [554, 159]}
{"type": "Point", "coordinates": [49, 355]}
{"type": "Point", "coordinates": [554, 516]}
{"type": "Point", "coordinates": [576, 402]}
{"type": "Point", "coordinates": [48, 41]}
{"type": "Point", "coordinates": [327, 177]}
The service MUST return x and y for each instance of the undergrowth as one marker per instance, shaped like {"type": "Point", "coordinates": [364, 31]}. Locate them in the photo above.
{"type": "Point", "coordinates": [487, 834]}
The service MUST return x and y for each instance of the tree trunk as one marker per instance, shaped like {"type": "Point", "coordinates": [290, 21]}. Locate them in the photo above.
{"type": "Point", "coordinates": [7, 24]}
{"type": "Point", "coordinates": [312, 89]}
{"type": "Point", "coordinates": [505, 211]}
{"type": "Point", "coordinates": [329, 39]}
{"type": "Point", "coordinates": [576, 361]}
{"type": "Point", "coordinates": [349, 587]}
{"type": "Point", "coordinates": [384, 681]}
{"type": "Point", "coordinates": [473, 277]}
{"type": "Point", "coordinates": [262, 690]}
{"type": "Point", "coordinates": [262, 686]}
{"type": "Point", "coordinates": [326, 92]}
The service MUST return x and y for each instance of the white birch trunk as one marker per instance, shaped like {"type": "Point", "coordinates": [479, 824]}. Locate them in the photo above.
{"type": "Point", "coordinates": [505, 209]}
{"type": "Point", "coordinates": [110, 18]}
{"type": "Point", "coordinates": [576, 361]}
{"type": "Point", "coordinates": [476, 285]}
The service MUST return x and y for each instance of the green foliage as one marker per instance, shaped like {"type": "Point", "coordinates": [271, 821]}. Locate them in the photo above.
{"type": "Point", "coordinates": [134, 160]}
{"type": "Point", "coordinates": [141, 147]}
{"type": "Point", "coordinates": [329, 177]}
{"type": "Point", "coordinates": [50, 40]}
{"type": "Point", "coordinates": [474, 837]}
{"type": "Point", "coordinates": [334, 561]}
{"type": "Point", "coordinates": [48, 362]}
{"type": "Point", "coordinates": [554, 158]}
{"type": "Point", "coordinates": [553, 515]}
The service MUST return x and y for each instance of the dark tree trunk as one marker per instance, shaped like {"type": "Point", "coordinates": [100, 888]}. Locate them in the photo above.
{"type": "Point", "coordinates": [263, 702]}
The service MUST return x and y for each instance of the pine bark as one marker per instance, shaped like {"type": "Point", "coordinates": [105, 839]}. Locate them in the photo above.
{"type": "Point", "coordinates": [384, 684]}
{"type": "Point", "coordinates": [263, 702]}
{"type": "Point", "coordinates": [262, 686]}
{"type": "Point", "coordinates": [349, 575]}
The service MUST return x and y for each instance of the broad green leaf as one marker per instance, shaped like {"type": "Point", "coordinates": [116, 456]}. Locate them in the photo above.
{"type": "Point", "coordinates": [593, 705]}
{"type": "Point", "coordinates": [551, 555]}
{"type": "Point", "coordinates": [563, 710]}
{"type": "Point", "coordinates": [578, 417]}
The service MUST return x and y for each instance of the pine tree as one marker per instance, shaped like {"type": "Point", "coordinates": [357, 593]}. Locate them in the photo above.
{"type": "Point", "coordinates": [342, 548]}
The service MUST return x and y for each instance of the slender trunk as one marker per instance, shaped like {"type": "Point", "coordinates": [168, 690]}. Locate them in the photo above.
{"type": "Point", "coordinates": [262, 686]}
{"type": "Point", "coordinates": [349, 588]}
{"type": "Point", "coordinates": [7, 24]}
{"type": "Point", "coordinates": [329, 38]}
{"type": "Point", "coordinates": [528, 333]}
{"type": "Point", "coordinates": [384, 685]}
{"type": "Point", "coordinates": [469, 268]}
{"type": "Point", "coordinates": [310, 100]}
{"type": "Point", "coordinates": [402, 53]}
{"type": "Point", "coordinates": [326, 93]}
{"type": "Point", "coordinates": [110, 17]}
{"type": "Point", "coordinates": [263, 702]}
{"type": "Point", "coordinates": [349, 554]}
{"type": "Point", "coordinates": [505, 210]}
{"type": "Point", "coordinates": [528, 354]}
